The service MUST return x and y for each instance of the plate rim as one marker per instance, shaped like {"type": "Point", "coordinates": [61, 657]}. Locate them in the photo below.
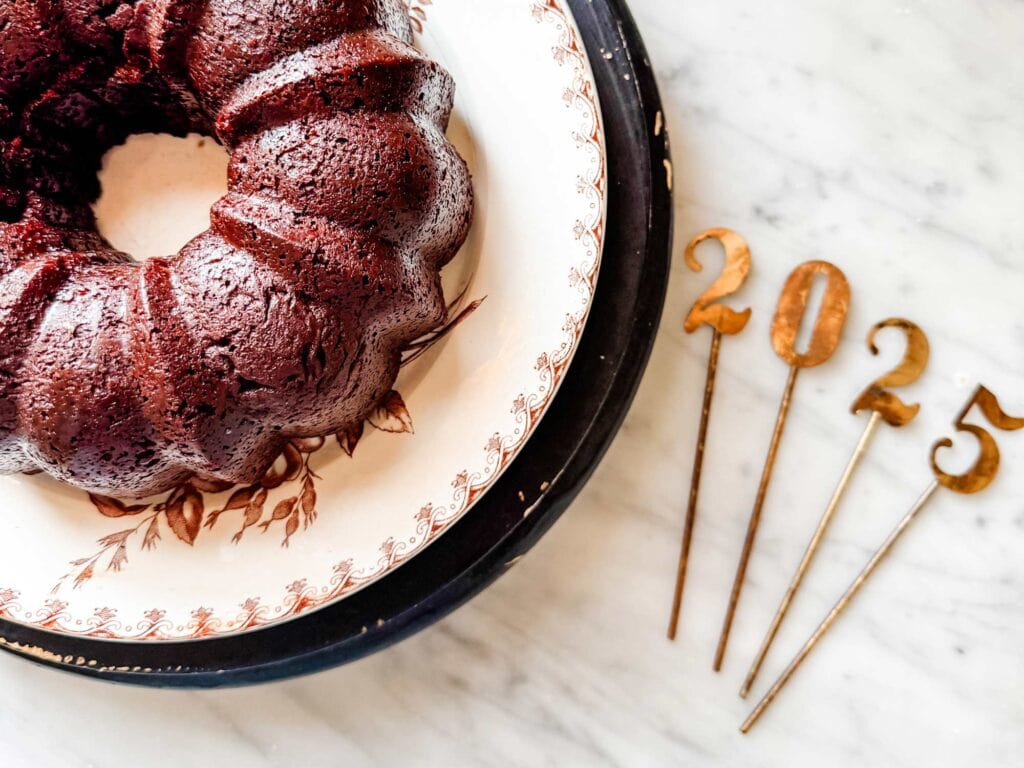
{"type": "Point", "coordinates": [333, 635]}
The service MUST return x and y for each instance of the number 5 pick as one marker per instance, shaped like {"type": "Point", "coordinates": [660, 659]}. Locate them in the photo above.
{"type": "Point", "coordinates": [978, 478]}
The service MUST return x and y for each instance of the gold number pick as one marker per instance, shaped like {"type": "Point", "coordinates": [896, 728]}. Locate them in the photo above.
{"type": "Point", "coordinates": [722, 320]}
{"type": "Point", "coordinates": [884, 406]}
{"type": "Point", "coordinates": [979, 477]}
{"type": "Point", "coordinates": [828, 327]}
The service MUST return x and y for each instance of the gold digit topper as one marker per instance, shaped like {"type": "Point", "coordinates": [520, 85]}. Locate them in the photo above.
{"type": "Point", "coordinates": [976, 479]}
{"type": "Point", "coordinates": [724, 321]}
{"type": "Point", "coordinates": [884, 406]}
{"type": "Point", "coordinates": [915, 359]}
{"type": "Point", "coordinates": [981, 475]}
{"type": "Point", "coordinates": [734, 274]}
{"type": "Point", "coordinates": [789, 317]}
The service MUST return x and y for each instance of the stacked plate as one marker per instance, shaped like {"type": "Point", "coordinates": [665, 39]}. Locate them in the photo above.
{"type": "Point", "coordinates": [496, 421]}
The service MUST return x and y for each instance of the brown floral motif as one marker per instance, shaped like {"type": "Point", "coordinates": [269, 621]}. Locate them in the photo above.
{"type": "Point", "coordinates": [417, 14]}
{"type": "Point", "coordinates": [349, 438]}
{"type": "Point", "coordinates": [421, 346]}
{"type": "Point", "coordinates": [8, 597]}
{"type": "Point", "coordinates": [291, 511]}
{"type": "Point", "coordinates": [391, 414]}
{"type": "Point", "coordinates": [569, 51]}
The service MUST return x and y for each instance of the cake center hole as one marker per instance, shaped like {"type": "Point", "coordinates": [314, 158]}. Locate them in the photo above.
{"type": "Point", "coordinates": [157, 192]}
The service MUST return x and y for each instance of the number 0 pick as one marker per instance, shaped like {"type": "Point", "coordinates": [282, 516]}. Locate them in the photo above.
{"type": "Point", "coordinates": [789, 317]}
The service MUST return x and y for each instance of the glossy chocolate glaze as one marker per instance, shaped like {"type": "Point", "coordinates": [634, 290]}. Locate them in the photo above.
{"type": "Point", "coordinates": [287, 317]}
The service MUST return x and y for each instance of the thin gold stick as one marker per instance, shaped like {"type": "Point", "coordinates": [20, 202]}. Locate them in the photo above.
{"type": "Point", "coordinates": [755, 517]}
{"type": "Point", "coordinates": [698, 463]}
{"type": "Point", "coordinates": [708, 310]}
{"type": "Point", "coordinates": [839, 607]}
{"type": "Point", "coordinates": [811, 551]}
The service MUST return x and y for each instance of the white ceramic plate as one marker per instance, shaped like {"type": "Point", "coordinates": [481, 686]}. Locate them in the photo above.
{"type": "Point", "coordinates": [528, 122]}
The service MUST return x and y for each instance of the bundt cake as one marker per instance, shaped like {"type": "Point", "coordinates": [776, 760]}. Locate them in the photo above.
{"type": "Point", "coordinates": [287, 317]}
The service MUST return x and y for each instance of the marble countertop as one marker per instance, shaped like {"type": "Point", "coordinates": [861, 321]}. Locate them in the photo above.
{"type": "Point", "coordinates": [887, 137]}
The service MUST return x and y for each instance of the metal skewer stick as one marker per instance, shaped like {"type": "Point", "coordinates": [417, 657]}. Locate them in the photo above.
{"type": "Point", "coordinates": [755, 517]}
{"type": "Point", "coordinates": [839, 607]}
{"type": "Point", "coordinates": [976, 479]}
{"type": "Point", "coordinates": [789, 316]}
{"type": "Point", "coordinates": [809, 553]}
{"type": "Point", "coordinates": [724, 321]}
{"type": "Point", "coordinates": [698, 466]}
{"type": "Point", "coordinates": [883, 405]}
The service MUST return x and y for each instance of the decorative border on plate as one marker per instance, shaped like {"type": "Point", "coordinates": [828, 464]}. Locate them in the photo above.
{"type": "Point", "coordinates": [433, 519]}
{"type": "Point", "coordinates": [418, 13]}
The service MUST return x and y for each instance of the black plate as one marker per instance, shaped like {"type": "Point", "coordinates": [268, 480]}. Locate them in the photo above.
{"type": "Point", "coordinates": [561, 455]}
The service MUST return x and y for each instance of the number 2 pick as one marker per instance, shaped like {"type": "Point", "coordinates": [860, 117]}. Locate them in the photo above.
{"type": "Point", "coordinates": [884, 406]}
{"type": "Point", "coordinates": [723, 321]}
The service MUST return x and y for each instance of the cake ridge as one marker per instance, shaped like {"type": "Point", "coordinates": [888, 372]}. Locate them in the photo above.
{"type": "Point", "coordinates": [287, 317]}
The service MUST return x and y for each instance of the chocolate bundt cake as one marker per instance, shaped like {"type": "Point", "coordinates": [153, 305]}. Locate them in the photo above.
{"type": "Point", "coordinates": [287, 317]}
